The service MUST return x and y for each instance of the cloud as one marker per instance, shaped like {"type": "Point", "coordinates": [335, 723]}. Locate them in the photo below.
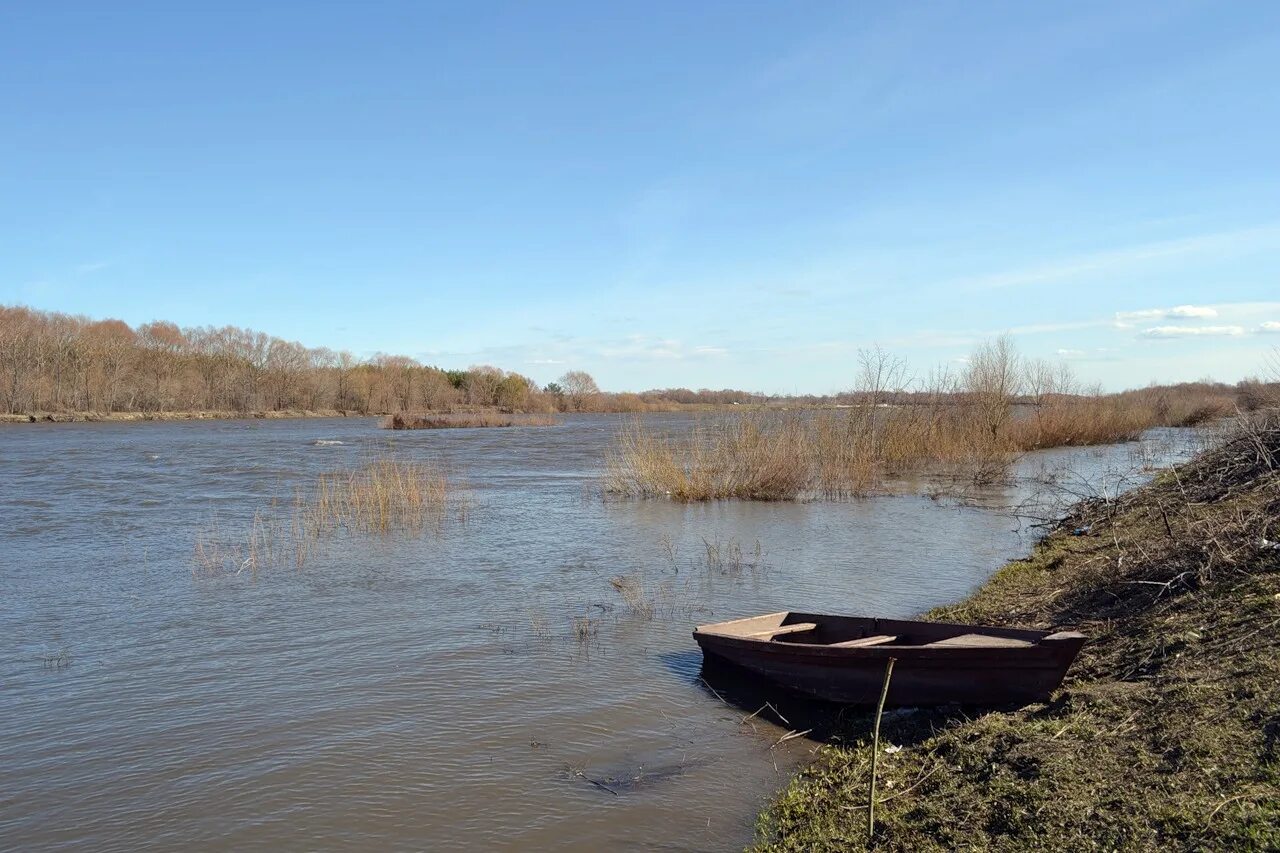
{"type": "Point", "coordinates": [1094, 354]}
{"type": "Point", "coordinates": [1222, 243]}
{"type": "Point", "coordinates": [1270, 326]}
{"type": "Point", "coordinates": [644, 348]}
{"type": "Point", "coordinates": [1126, 319]}
{"type": "Point", "coordinates": [1193, 331]}
{"type": "Point", "coordinates": [545, 361]}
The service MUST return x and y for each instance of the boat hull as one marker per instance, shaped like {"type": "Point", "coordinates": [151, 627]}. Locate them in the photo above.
{"type": "Point", "coordinates": [922, 675]}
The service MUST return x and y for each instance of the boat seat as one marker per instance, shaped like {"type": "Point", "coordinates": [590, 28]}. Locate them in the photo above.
{"type": "Point", "coordinates": [978, 641]}
{"type": "Point", "coordinates": [797, 628]}
{"type": "Point", "coordinates": [878, 639]}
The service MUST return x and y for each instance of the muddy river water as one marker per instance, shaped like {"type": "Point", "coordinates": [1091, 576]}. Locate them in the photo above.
{"type": "Point", "coordinates": [461, 689]}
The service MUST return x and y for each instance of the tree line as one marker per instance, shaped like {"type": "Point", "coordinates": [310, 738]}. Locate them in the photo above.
{"type": "Point", "coordinates": [55, 362]}
{"type": "Point", "coordinates": [59, 362]}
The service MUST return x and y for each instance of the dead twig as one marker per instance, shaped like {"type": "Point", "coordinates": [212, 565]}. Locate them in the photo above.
{"type": "Point", "coordinates": [602, 786]}
{"type": "Point", "coordinates": [903, 792]}
{"type": "Point", "coordinates": [790, 736]}
{"type": "Point", "coordinates": [875, 750]}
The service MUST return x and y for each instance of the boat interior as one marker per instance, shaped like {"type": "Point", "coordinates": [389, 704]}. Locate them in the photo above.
{"type": "Point", "coordinates": [848, 632]}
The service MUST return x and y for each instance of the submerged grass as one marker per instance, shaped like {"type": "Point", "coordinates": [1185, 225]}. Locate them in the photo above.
{"type": "Point", "coordinates": [378, 497]}
{"type": "Point", "coordinates": [382, 496]}
{"type": "Point", "coordinates": [1166, 734]}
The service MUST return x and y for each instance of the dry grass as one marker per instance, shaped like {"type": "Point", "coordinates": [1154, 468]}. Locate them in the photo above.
{"type": "Point", "coordinates": [969, 428]}
{"type": "Point", "coordinates": [379, 497]}
{"type": "Point", "coordinates": [460, 420]}
{"type": "Point", "coordinates": [1081, 421]}
{"type": "Point", "coordinates": [728, 558]}
{"type": "Point", "coordinates": [585, 629]}
{"type": "Point", "coordinates": [760, 457]}
{"type": "Point", "coordinates": [634, 596]}
{"type": "Point", "coordinates": [799, 455]}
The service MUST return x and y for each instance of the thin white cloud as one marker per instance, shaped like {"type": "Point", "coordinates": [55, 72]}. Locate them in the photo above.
{"type": "Point", "coordinates": [1270, 326]}
{"type": "Point", "coordinates": [1126, 319]}
{"type": "Point", "coordinates": [642, 347]}
{"type": "Point", "coordinates": [1094, 354]}
{"type": "Point", "coordinates": [545, 361]}
{"type": "Point", "coordinates": [1193, 331]}
{"type": "Point", "coordinates": [1228, 242]}
{"type": "Point", "coordinates": [1046, 328]}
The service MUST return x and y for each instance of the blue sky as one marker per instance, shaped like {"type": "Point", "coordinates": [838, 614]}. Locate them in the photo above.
{"type": "Point", "coordinates": [700, 194]}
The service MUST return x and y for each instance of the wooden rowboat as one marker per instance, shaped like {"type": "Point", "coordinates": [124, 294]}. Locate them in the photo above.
{"type": "Point", "coordinates": [842, 658]}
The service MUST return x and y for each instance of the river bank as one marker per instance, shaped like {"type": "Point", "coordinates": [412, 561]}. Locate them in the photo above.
{"type": "Point", "coordinates": [204, 415]}
{"type": "Point", "coordinates": [1165, 734]}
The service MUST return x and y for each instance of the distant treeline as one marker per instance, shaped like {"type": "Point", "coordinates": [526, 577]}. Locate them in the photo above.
{"type": "Point", "coordinates": [53, 362]}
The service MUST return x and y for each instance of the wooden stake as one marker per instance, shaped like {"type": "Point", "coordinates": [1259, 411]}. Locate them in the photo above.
{"type": "Point", "coordinates": [875, 752]}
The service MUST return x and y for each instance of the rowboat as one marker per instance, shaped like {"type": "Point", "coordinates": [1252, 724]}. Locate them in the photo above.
{"type": "Point", "coordinates": [843, 658]}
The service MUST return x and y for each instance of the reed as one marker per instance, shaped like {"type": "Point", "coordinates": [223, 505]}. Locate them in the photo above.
{"type": "Point", "coordinates": [1082, 421]}
{"type": "Point", "coordinates": [380, 496]}
{"type": "Point", "coordinates": [585, 628]}
{"type": "Point", "coordinates": [968, 427]}
{"type": "Point", "coordinates": [383, 495]}
{"type": "Point", "coordinates": [634, 596]}
{"type": "Point", "coordinates": [799, 455]}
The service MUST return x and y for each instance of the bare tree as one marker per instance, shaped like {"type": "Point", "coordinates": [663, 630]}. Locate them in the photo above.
{"type": "Point", "coordinates": [579, 387]}
{"type": "Point", "coordinates": [992, 380]}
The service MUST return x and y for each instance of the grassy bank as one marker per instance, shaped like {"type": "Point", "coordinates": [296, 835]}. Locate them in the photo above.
{"type": "Point", "coordinates": [1166, 734]}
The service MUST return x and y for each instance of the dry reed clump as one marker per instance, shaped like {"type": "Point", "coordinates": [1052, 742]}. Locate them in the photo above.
{"type": "Point", "coordinates": [969, 427]}
{"type": "Point", "coordinates": [1079, 422]}
{"type": "Point", "coordinates": [379, 497]}
{"type": "Point", "coordinates": [798, 455]}
{"type": "Point", "coordinates": [459, 420]}
{"type": "Point", "coordinates": [758, 457]}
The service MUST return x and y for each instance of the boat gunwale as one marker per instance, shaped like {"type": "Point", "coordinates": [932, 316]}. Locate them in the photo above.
{"type": "Point", "coordinates": [1036, 652]}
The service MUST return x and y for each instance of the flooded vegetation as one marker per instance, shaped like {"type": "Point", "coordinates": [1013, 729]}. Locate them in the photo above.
{"type": "Point", "coordinates": [380, 496]}
{"type": "Point", "coordinates": [969, 429]}
{"type": "Point", "coordinates": [464, 420]}
{"type": "Point", "coordinates": [470, 639]}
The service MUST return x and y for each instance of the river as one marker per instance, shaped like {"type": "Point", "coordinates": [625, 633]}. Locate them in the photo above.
{"type": "Point", "coordinates": [416, 692]}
